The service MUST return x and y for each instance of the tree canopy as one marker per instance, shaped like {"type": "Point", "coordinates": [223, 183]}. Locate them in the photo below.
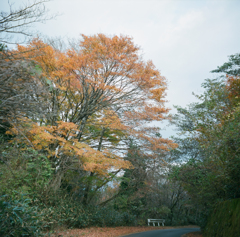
{"type": "Point", "coordinates": [210, 140]}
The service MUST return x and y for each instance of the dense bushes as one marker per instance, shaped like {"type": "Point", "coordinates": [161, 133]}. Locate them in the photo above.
{"type": "Point", "coordinates": [29, 172]}
{"type": "Point", "coordinates": [224, 221]}
{"type": "Point", "coordinates": [109, 217]}
{"type": "Point", "coordinates": [71, 214]}
{"type": "Point", "coordinates": [19, 218]}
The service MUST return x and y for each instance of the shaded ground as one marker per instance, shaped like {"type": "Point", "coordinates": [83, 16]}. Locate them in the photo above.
{"type": "Point", "coordinates": [110, 231]}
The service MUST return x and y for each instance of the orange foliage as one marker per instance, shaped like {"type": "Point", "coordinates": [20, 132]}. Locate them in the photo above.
{"type": "Point", "coordinates": [57, 141]}
{"type": "Point", "coordinates": [101, 82]}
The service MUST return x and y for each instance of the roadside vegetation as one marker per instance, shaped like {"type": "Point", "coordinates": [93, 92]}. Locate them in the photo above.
{"type": "Point", "coordinates": [209, 144]}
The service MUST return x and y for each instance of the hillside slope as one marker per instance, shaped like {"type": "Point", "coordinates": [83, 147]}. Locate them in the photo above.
{"type": "Point", "coordinates": [224, 220]}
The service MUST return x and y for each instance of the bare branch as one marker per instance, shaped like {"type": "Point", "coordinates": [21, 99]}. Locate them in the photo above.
{"type": "Point", "coordinates": [20, 20]}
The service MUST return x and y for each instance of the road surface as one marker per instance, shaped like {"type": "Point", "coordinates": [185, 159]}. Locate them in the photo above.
{"type": "Point", "coordinates": [164, 233]}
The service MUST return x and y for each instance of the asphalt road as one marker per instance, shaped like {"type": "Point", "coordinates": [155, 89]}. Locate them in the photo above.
{"type": "Point", "coordinates": [164, 233]}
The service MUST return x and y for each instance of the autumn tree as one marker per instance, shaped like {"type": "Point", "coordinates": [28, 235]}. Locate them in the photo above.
{"type": "Point", "coordinates": [98, 93]}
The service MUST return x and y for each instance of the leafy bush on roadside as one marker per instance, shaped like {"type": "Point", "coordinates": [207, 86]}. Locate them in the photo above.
{"type": "Point", "coordinates": [71, 214]}
{"type": "Point", "coordinates": [18, 218]}
{"type": "Point", "coordinates": [107, 216]}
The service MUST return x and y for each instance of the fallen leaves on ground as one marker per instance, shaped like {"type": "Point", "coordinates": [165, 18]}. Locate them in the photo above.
{"type": "Point", "coordinates": [110, 231]}
{"type": "Point", "coordinates": [193, 234]}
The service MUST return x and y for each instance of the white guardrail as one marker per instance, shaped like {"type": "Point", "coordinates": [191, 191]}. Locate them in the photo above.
{"type": "Point", "coordinates": [156, 221]}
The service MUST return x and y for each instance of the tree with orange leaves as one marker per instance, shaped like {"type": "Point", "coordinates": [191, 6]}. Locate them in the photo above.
{"type": "Point", "coordinates": [101, 81]}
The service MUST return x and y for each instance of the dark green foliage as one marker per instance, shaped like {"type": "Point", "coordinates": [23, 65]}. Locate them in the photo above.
{"type": "Point", "coordinates": [27, 171]}
{"type": "Point", "coordinates": [210, 146]}
{"type": "Point", "coordinates": [64, 211]}
{"type": "Point", "coordinates": [133, 188]}
{"type": "Point", "coordinates": [224, 221]}
{"type": "Point", "coordinates": [18, 218]}
{"type": "Point", "coordinates": [210, 141]}
{"type": "Point", "coordinates": [3, 47]}
{"type": "Point", "coordinates": [146, 192]}
{"type": "Point", "coordinates": [232, 67]}
{"type": "Point", "coordinates": [107, 216]}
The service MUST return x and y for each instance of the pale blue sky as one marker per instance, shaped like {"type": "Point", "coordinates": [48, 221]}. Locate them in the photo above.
{"type": "Point", "coordinates": [185, 39]}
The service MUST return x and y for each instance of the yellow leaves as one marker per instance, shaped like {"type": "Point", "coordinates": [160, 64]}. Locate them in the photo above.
{"type": "Point", "coordinates": [87, 83]}
{"type": "Point", "coordinates": [111, 65]}
{"type": "Point", "coordinates": [148, 113]}
{"type": "Point", "coordinates": [111, 120]}
{"type": "Point", "coordinates": [67, 128]}
{"type": "Point", "coordinates": [42, 53]}
{"type": "Point", "coordinates": [157, 94]}
{"type": "Point", "coordinates": [60, 141]}
{"type": "Point", "coordinates": [115, 47]}
{"type": "Point", "coordinates": [61, 132]}
{"type": "Point", "coordinates": [12, 131]}
{"type": "Point", "coordinates": [102, 162]}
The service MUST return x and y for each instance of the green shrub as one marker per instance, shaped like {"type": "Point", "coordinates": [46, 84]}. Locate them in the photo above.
{"type": "Point", "coordinates": [27, 172]}
{"type": "Point", "coordinates": [63, 211]}
{"type": "Point", "coordinates": [107, 216]}
{"type": "Point", "coordinates": [18, 218]}
{"type": "Point", "coordinates": [69, 213]}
